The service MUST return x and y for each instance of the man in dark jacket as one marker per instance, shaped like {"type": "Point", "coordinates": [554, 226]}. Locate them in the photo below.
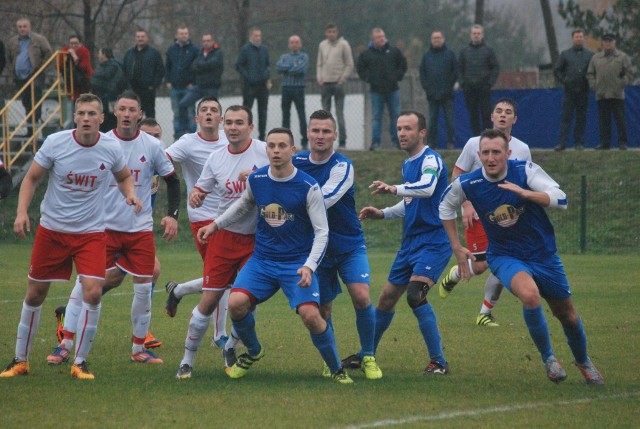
{"type": "Point", "coordinates": [478, 72]}
{"type": "Point", "coordinates": [178, 78]}
{"type": "Point", "coordinates": [571, 71]}
{"type": "Point", "coordinates": [253, 66]}
{"type": "Point", "coordinates": [207, 72]}
{"type": "Point", "coordinates": [382, 66]}
{"type": "Point", "coordinates": [144, 71]}
{"type": "Point", "coordinates": [438, 75]}
{"type": "Point", "coordinates": [107, 82]}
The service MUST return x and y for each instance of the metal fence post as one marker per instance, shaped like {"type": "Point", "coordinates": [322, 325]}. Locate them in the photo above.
{"type": "Point", "coordinates": [583, 214]}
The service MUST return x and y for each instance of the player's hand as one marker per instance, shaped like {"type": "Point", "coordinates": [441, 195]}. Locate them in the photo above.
{"type": "Point", "coordinates": [522, 193]}
{"type": "Point", "coordinates": [196, 198]}
{"type": "Point", "coordinates": [469, 215]}
{"type": "Point", "coordinates": [22, 222]}
{"type": "Point", "coordinates": [305, 274]}
{"type": "Point", "coordinates": [244, 175]}
{"type": "Point", "coordinates": [462, 254]}
{"type": "Point", "coordinates": [170, 226]}
{"type": "Point", "coordinates": [370, 213]}
{"type": "Point", "coordinates": [382, 188]}
{"type": "Point", "coordinates": [134, 201]}
{"type": "Point", "coordinates": [206, 231]}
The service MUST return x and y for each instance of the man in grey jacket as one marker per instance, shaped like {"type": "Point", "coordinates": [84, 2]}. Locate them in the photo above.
{"type": "Point", "coordinates": [608, 73]}
{"type": "Point", "coordinates": [571, 71]}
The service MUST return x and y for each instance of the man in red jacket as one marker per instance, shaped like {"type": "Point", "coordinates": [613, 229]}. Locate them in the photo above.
{"type": "Point", "coordinates": [80, 57]}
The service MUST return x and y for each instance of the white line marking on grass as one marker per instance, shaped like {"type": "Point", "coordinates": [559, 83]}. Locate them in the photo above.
{"type": "Point", "coordinates": [492, 410]}
{"type": "Point", "coordinates": [59, 298]}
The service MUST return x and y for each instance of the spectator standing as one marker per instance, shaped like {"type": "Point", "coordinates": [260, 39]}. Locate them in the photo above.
{"type": "Point", "coordinates": [79, 59]}
{"type": "Point", "coordinates": [26, 52]}
{"type": "Point", "coordinates": [144, 71]}
{"type": "Point", "coordinates": [571, 71]}
{"type": "Point", "coordinates": [253, 66]}
{"type": "Point", "coordinates": [333, 68]}
{"type": "Point", "coordinates": [608, 73]}
{"type": "Point", "coordinates": [438, 75]}
{"type": "Point", "coordinates": [478, 72]}
{"type": "Point", "coordinates": [107, 83]}
{"type": "Point", "coordinates": [206, 70]}
{"type": "Point", "coordinates": [382, 66]}
{"type": "Point", "coordinates": [293, 67]}
{"type": "Point", "coordinates": [179, 77]}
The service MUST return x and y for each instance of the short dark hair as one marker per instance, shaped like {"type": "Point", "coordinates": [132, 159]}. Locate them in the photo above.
{"type": "Point", "coordinates": [422, 121]}
{"type": "Point", "coordinates": [577, 30]}
{"type": "Point", "coordinates": [107, 52]}
{"type": "Point", "coordinates": [89, 98]}
{"type": "Point", "coordinates": [330, 26]}
{"type": "Point", "coordinates": [240, 108]}
{"type": "Point", "coordinates": [322, 115]}
{"type": "Point", "coordinates": [510, 101]}
{"type": "Point", "coordinates": [492, 133]}
{"type": "Point", "coordinates": [129, 95]}
{"type": "Point", "coordinates": [282, 130]}
{"type": "Point", "coordinates": [210, 98]}
{"type": "Point", "coordinates": [150, 122]}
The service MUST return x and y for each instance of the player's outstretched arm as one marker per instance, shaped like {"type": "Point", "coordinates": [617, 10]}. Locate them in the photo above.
{"type": "Point", "coordinates": [127, 189]}
{"type": "Point", "coordinates": [380, 188]}
{"type": "Point", "coordinates": [27, 189]}
{"type": "Point", "coordinates": [370, 213]}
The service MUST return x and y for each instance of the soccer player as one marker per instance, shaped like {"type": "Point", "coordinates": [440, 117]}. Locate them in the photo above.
{"type": "Point", "coordinates": [510, 198]}
{"type": "Point", "coordinates": [192, 151]}
{"type": "Point", "coordinates": [225, 175]}
{"type": "Point", "coordinates": [72, 225]}
{"type": "Point", "coordinates": [130, 241]}
{"type": "Point", "coordinates": [346, 252]}
{"type": "Point", "coordinates": [425, 250]}
{"type": "Point", "coordinates": [291, 239]}
{"type": "Point", "coordinates": [504, 116]}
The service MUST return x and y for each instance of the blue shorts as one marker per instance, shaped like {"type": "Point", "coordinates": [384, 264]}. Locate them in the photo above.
{"type": "Point", "coordinates": [262, 279]}
{"type": "Point", "coordinates": [352, 267]}
{"type": "Point", "coordinates": [419, 257]}
{"type": "Point", "coordinates": [548, 274]}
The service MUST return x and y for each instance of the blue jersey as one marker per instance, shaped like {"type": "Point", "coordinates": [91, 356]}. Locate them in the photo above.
{"type": "Point", "coordinates": [285, 230]}
{"type": "Point", "coordinates": [421, 216]}
{"type": "Point", "coordinates": [335, 177]}
{"type": "Point", "coordinates": [515, 227]}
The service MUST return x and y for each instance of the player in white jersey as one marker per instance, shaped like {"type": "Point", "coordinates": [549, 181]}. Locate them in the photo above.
{"type": "Point", "coordinates": [191, 151]}
{"type": "Point", "coordinates": [71, 229]}
{"type": "Point", "coordinates": [224, 175]}
{"type": "Point", "coordinates": [504, 115]}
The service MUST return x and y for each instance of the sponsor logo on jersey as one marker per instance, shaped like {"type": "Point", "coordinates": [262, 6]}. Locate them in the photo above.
{"type": "Point", "coordinates": [506, 215]}
{"type": "Point", "coordinates": [235, 188]}
{"type": "Point", "coordinates": [275, 215]}
{"type": "Point", "coordinates": [143, 159]}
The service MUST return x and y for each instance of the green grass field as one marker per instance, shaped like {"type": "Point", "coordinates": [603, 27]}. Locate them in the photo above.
{"type": "Point", "coordinates": [497, 378]}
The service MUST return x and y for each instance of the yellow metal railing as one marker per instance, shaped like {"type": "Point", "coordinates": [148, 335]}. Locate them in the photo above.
{"type": "Point", "coordinates": [63, 83]}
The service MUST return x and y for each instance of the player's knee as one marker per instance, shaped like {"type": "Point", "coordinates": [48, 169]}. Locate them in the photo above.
{"type": "Point", "coordinates": [417, 293]}
{"type": "Point", "coordinates": [239, 305]}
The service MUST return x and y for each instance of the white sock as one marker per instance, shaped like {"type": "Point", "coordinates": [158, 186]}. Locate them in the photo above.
{"type": "Point", "coordinates": [191, 287]}
{"type": "Point", "coordinates": [141, 309]}
{"type": "Point", "coordinates": [198, 325]}
{"type": "Point", "coordinates": [27, 328]}
{"type": "Point", "coordinates": [219, 316]}
{"type": "Point", "coordinates": [72, 312]}
{"type": "Point", "coordinates": [86, 330]}
{"type": "Point", "coordinates": [492, 290]}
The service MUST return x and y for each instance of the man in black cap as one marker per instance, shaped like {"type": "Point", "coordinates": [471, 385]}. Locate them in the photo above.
{"type": "Point", "coordinates": [608, 73]}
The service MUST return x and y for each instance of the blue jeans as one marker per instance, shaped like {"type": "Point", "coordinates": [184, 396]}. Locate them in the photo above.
{"type": "Point", "coordinates": [378, 101]}
{"type": "Point", "coordinates": [335, 90]}
{"type": "Point", "coordinates": [294, 94]}
{"type": "Point", "coordinates": [434, 113]}
{"type": "Point", "coordinates": [183, 117]}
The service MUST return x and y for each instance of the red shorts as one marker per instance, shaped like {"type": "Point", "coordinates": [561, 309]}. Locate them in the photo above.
{"type": "Point", "coordinates": [226, 254]}
{"type": "Point", "coordinates": [477, 241]}
{"type": "Point", "coordinates": [55, 252]}
{"type": "Point", "coordinates": [133, 252]}
{"type": "Point", "coordinates": [195, 226]}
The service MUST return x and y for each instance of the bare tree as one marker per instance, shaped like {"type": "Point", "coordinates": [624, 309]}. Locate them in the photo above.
{"type": "Point", "coordinates": [550, 30]}
{"type": "Point", "coordinates": [479, 12]}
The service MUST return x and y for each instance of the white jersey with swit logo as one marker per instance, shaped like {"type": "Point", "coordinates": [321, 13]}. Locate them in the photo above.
{"type": "Point", "coordinates": [220, 179]}
{"type": "Point", "coordinates": [191, 151]}
{"type": "Point", "coordinates": [144, 156]}
{"type": "Point", "coordinates": [74, 201]}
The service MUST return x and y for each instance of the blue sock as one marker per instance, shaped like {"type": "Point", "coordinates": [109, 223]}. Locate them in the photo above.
{"type": "Point", "coordinates": [326, 345]}
{"type": "Point", "coordinates": [539, 330]}
{"type": "Point", "coordinates": [153, 287]}
{"type": "Point", "coordinates": [366, 322]}
{"type": "Point", "coordinates": [429, 329]}
{"type": "Point", "coordinates": [577, 340]}
{"type": "Point", "coordinates": [383, 320]}
{"type": "Point", "coordinates": [330, 322]}
{"type": "Point", "coordinates": [246, 330]}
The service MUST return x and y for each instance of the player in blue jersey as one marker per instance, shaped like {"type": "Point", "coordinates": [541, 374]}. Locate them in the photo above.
{"type": "Point", "coordinates": [510, 198]}
{"type": "Point", "coordinates": [291, 239]}
{"type": "Point", "coordinates": [425, 249]}
{"type": "Point", "coordinates": [347, 252]}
